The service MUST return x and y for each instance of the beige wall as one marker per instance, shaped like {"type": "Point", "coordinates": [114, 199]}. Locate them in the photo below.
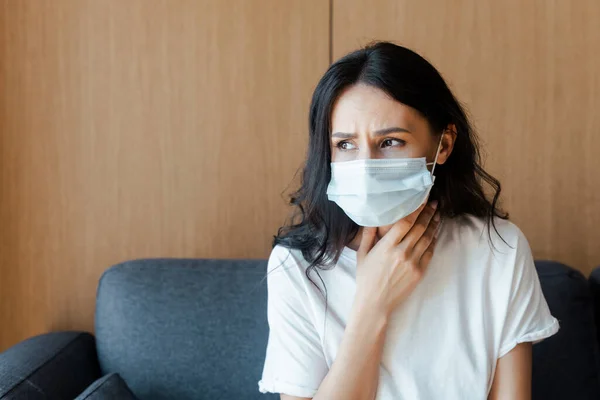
{"type": "Point", "coordinates": [143, 128]}
{"type": "Point", "coordinates": [147, 128]}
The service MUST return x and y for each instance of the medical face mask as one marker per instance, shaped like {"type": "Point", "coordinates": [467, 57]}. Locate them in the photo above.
{"type": "Point", "coordinates": [379, 192]}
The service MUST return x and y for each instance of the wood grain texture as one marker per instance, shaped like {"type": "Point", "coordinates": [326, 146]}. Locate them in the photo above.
{"type": "Point", "coordinates": [143, 128]}
{"type": "Point", "coordinates": [528, 72]}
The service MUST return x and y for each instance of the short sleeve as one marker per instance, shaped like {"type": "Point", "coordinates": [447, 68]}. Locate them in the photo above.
{"type": "Point", "coordinates": [527, 317]}
{"type": "Point", "coordinates": [294, 364]}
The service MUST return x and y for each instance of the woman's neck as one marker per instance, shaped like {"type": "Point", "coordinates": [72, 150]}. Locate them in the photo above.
{"type": "Point", "coordinates": [354, 244]}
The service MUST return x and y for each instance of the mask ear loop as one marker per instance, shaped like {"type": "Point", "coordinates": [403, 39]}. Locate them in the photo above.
{"type": "Point", "coordinates": [437, 153]}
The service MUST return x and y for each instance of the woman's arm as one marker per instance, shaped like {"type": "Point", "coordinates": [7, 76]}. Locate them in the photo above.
{"type": "Point", "coordinates": [355, 372]}
{"type": "Point", "coordinates": [512, 379]}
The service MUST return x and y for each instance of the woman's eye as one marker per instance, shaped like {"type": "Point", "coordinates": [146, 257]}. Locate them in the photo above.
{"type": "Point", "coordinates": [392, 142]}
{"type": "Point", "coordinates": [345, 146]}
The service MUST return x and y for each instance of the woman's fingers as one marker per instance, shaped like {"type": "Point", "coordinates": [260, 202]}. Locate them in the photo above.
{"type": "Point", "coordinates": [367, 242]}
{"type": "Point", "coordinates": [427, 255]}
{"type": "Point", "coordinates": [399, 230]}
{"type": "Point", "coordinates": [423, 249]}
{"type": "Point", "coordinates": [422, 245]}
{"type": "Point", "coordinates": [419, 228]}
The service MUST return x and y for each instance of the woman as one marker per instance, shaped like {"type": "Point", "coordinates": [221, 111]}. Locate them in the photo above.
{"type": "Point", "coordinates": [398, 278]}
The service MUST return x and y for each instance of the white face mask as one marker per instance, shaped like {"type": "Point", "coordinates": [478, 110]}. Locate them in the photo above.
{"type": "Point", "coordinates": [379, 192]}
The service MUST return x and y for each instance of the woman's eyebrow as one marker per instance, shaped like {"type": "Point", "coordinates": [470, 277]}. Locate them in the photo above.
{"type": "Point", "coordinates": [343, 135]}
{"type": "Point", "coordinates": [394, 129]}
{"type": "Point", "coordinates": [379, 132]}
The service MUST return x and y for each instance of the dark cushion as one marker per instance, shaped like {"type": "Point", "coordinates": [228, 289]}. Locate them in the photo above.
{"type": "Point", "coordinates": [56, 365]}
{"type": "Point", "coordinates": [594, 281]}
{"type": "Point", "coordinates": [109, 387]}
{"type": "Point", "coordinates": [184, 329]}
{"type": "Point", "coordinates": [567, 365]}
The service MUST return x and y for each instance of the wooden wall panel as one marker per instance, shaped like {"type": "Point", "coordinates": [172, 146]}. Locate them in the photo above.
{"type": "Point", "coordinates": [528, 72]}
{"type": "Point", "coordinates": [143, 128]}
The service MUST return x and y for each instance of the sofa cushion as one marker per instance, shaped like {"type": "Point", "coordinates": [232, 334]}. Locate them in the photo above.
{"type": "Point", "coordinates": [567, 365]}
{"type": "Point", "coordinates": [191, 329]}
{"type": "Point", "coordinates": [109, 387]}
{"type": "Point", "coordinates": [184, 329]}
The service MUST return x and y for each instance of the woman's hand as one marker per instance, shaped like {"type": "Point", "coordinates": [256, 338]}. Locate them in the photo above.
{"type": "Point", "coordinates": [388, 271]}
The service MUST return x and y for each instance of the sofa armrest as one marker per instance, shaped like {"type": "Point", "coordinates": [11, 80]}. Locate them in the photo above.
{"type": "Point", "coordinates": [567, 365]}
{"type": "Point", "coordinates": [57, 365]}
{"type": "Point", "coordinates": [594, 280]}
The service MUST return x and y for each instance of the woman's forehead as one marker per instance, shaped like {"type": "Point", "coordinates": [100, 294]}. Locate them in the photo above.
{"type": "Point", "coordinates": [362, 108]}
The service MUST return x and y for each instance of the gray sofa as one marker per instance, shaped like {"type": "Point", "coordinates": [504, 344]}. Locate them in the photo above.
{"type": "Point", "coordinates": [197, 329]}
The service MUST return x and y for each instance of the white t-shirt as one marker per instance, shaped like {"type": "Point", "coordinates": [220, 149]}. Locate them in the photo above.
{"type": "Point", "coordinates": [474, 305]}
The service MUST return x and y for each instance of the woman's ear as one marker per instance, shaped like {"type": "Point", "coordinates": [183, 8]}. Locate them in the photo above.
{"type": "Point", "coordinates": [447, 143]}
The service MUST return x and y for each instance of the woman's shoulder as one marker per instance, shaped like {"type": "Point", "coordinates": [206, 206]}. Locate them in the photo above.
{"type": "Point", "coordinates": [499, 245]}
{"type": "Point", "coordinates": [499, 250]}
{"type": "Point", "coordinates": [286, 256]}
{"type": "Point", "coordinates": [286, 262]}
{"type": "Point", "coordinates": [501, 234]}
